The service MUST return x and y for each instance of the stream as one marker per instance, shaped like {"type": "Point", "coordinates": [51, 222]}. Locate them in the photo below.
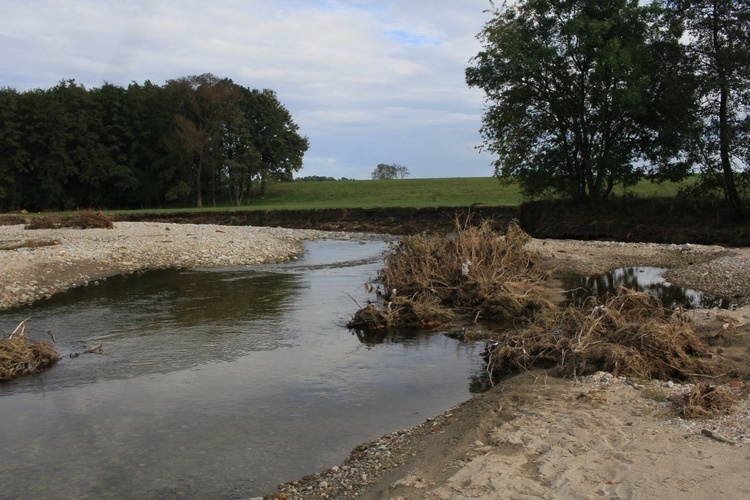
{"type": "Point", "coordinates": [217, 383]}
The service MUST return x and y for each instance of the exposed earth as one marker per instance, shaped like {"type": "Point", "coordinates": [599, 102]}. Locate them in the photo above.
{"type": "Point", "coordinates": [531, 436]}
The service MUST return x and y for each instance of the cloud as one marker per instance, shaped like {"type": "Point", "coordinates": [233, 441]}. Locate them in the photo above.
{"type": "Point", "coordinates": [367, 81]}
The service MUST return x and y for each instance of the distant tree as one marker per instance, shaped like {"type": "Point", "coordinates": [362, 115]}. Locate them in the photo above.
{"type": "Point", "coordinates": [580, 91]}
{"type": "Point", "coordinates": [110, 147]}
{"type": "Point", "coordinates": [393, 171]}
{"type": "Point", "coordinates": [314, 178]}
{"type": "Point", "coordinates": [150, 109]}
{"type": "Point", "coordinates": [719, 44]}
{"type": "Point", "coordinates": [10, 146]}
{"type": "Point", "coordinates": [401, 171]}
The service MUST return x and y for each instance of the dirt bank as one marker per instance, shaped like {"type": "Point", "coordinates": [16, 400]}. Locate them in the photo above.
{"type": "Point", "coordinates": [629, 220]}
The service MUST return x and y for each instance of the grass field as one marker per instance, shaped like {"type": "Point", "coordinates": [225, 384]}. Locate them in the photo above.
{"type": "Point", "coordinates": [442, 192]}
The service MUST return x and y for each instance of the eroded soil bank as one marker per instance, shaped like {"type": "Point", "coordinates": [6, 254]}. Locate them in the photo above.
{"type": "Point", "coordinates": [651, 221]}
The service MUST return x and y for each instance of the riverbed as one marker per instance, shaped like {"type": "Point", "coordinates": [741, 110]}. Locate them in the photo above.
{"type": "Point", "coordinates": [217, 383]}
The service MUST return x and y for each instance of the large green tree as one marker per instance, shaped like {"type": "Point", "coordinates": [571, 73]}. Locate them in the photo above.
{"type": "Point", "coordinates": [275, 136]}
{"type": "Point", "coordinates": [206, 104]}
{"type": "Point", "coordinates": [582, 95]}
{"type": "Point", "coordinates": [719, 44]}
{"type": "Point", "coordinates": [10, 145]}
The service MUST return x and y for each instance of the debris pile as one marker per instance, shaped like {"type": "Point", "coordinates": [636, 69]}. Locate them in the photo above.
{"type": "Point", "coordinates": [474, 272]}
{"type": "Point", "coordinates": [630, 334]}
{"type": "Point", "coordinates": [81, 220]}
{"type": "Point", "coordinates": [20, 356]}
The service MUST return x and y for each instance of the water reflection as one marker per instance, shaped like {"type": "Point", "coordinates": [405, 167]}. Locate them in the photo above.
{"type": "Point", "coordinates": [372, 338]}
{"type": "Point", "coordinates": [646, 279]}
{"type": "Point", "coordinates": [217, 383]}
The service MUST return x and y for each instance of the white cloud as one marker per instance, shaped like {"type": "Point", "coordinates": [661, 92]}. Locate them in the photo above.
{"type": "Point", "coordinates": [367, 81]}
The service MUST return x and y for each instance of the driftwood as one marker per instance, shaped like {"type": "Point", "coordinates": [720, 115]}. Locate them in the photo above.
{"type": "Point", "coordinates": [99, 349]}
{"type": "Point", "coordinates": [718, 437]}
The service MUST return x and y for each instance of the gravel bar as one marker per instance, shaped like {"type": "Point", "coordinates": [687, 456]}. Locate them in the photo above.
{"type": "Point", "coordinates": [35, 264]}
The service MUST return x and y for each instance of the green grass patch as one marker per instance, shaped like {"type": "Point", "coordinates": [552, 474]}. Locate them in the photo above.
{"type": "Point", "coordinates": [389, 193]}
{"type": "Point", "coordinates": [405, 193]}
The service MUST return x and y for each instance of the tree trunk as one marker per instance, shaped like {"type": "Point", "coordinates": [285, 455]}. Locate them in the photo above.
{"type": "Point", "coordinates": [730, 188]}
{"type": "Point", "coordinates": [198, 197]}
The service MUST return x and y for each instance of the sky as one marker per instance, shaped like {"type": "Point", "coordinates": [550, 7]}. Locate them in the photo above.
{"type": "Point", "coordinates": [367, 82]}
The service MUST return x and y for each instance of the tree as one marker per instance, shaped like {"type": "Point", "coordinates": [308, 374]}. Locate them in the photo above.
{"type": "Point", "coordinates": [274, 134]}
{"type": "Point", "coordinates": [10, 146]}
{"type": "Point", "coordinates": [719, 44]}
{"type": "Point", "coordinates": [393, 171]}
{"type": "Point", "coordinates": [206, 103]}
{"type": "Point", "coordinates": [150, 109]}
{"type": "Point", "coordinates": [70, 147]}
{"type": "Point", "coordinates": [580, 91]}
{"type": "Point", "coordinates": [48, 130]}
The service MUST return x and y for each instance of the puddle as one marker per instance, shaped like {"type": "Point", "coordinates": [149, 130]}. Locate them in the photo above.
{"type": "Point", "coordinates": [645, 279]}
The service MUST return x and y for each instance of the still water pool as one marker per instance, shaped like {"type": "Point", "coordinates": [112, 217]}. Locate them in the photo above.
{"type": "Point", "coordinates": [217, 383]}
{"type": "Point", "coordinates": [643, 279]}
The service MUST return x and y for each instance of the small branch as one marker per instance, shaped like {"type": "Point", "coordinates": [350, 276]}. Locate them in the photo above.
{"type": "Point", "coordinates": [355, 300]}
{"type": "Point", "coordinates": [718, 437]}
{"type": "Point", "coordinates": [22, 326]}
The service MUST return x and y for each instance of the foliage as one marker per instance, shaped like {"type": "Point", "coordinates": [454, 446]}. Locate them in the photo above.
{"type": "Point", "coordinates": [719, 46]}
{"type": "Point", "coordinates": [145, 145]}
{"type": "Point", "coordinates": [580, 91]}
{"type": "Point", "coordinates": [393, 171]}
{"type": "Point", "coordinates": [314, 178]}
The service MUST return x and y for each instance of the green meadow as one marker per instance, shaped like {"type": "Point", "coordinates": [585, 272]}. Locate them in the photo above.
{"type": "Point", "coordinates": [438, 192]}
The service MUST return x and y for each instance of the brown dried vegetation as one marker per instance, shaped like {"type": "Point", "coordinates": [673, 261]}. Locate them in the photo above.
{"type": "Point", "coordinates": [81, 220]}
{"type": "Point", "coordinates": [20, 356]}
{"type": "Point", "coordinates": [475, 271]}
{"type": "Point", "coordinates": [707, 401]}
{"type": "Point", "coordinates": [630, 334]}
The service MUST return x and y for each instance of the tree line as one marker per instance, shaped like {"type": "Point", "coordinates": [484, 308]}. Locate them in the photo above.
{"type": "Point", "coordinates": [194, 140]}
{"type": "Point", "coordinates": [586, 95]}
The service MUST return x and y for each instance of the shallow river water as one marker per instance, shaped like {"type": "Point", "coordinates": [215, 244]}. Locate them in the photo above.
{"type": "Point", "coordinates": [217, 383]}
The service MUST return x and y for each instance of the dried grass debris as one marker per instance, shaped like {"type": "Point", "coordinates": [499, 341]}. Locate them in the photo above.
{"type": "Point", "coordinates": [21, 356]}
{"type": "Point", "coordinates": [630, 334]}
{"type": "Point", "coordinates": [428, 280]}
{"type": "Point", "coordinates": [707, 401]}
{"type": "Point", "coordinates": [81, 220]}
